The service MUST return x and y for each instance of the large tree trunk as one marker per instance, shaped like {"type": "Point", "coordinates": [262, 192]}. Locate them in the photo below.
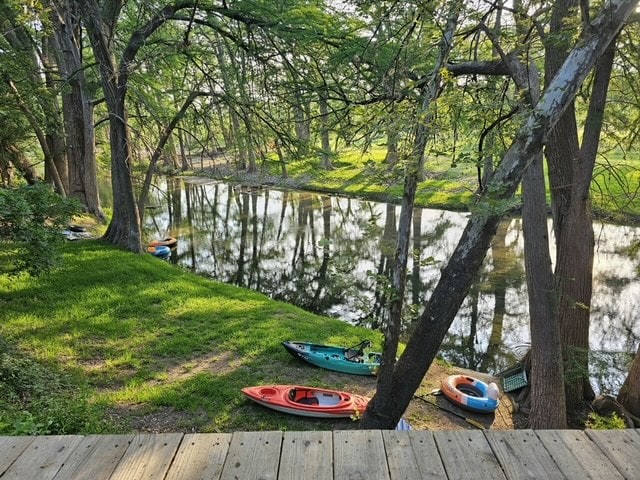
{"type": "Point", "coordinates": [570, 171]}
{"type": "Point", "coordinates": [467, 258]}
{"type": "Point", "coordinates": [78, 111]}
{"type": "Point", "coordinates": [547, 377]}
{"type": "Point", "coordinates": [548, 408]}
{"type": "Point", "coordinates": [55, 122]}
{"type": "Point", "coordinates": [573, 259]}
{"type": "Point", "coordinates": [629, 395]}
{"type": "Point", "coordinates": [124, 229]}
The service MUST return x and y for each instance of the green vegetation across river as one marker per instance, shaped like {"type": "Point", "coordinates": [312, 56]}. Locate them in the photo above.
{"type": "Point", "coordinates": [447, 185]}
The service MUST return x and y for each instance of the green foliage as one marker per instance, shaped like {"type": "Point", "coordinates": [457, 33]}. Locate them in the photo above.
{"type": "Point", "coordinates": [38, 400]}
{"type": "Point", "coordinates": [31, 219]}
{"type": "Point", "coordinates": [600, 422]}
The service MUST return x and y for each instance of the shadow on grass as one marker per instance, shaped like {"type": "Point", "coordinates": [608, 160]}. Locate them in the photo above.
{"type": "Point", "coordinates": [143, 333]}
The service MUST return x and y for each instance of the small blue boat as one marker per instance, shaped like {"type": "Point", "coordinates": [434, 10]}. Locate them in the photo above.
{"type": "Point", "coordinates": [160, 251]}
{"type": "Point", "coordinates": [353, 360]}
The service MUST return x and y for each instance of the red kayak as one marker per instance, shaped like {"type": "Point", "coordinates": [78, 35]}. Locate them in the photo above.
{"type": "Point", "coordinates": [307, 401]}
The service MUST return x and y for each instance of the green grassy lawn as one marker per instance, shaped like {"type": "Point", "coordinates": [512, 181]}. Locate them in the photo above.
{"type": "Point", "coordinates": [113, 341]}
{"type": "Point", "coordinates": [364, 175]}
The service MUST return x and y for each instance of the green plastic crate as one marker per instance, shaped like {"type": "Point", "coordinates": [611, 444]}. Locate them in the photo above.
{"type": "Point", "coordinates": [515, 381]}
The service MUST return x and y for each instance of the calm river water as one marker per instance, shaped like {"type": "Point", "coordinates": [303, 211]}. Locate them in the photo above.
{"type": "Point", "coordinates": [331, 255]}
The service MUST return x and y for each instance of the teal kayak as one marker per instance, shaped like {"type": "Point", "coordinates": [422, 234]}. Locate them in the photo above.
{"type": "Point", "coordinates": [353, 360]}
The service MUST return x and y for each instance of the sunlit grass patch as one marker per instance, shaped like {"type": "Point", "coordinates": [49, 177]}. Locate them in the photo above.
{"type": "Point", "coordinates": [139, 335]}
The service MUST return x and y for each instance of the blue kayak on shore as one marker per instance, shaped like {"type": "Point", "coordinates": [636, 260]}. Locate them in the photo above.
{"type": "Point", "coordinates": [353, 360]}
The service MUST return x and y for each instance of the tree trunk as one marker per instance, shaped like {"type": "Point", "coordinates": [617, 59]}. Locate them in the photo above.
{"type": "Point", "coordinates": [12, 155]}
{"type": "Point", "coordinates": [165, 135]}
{"type": "Point", "coordinates": [629, 395]}
{"type": "Point", "coordinates": [77, 110]}
{"type": "Point", "coordinates": [325, 149]}
{"type": "Point", "coordinates": [391, 158]}
{"type": "Point", "coordinates": [430, 92]}
{"type": "Point", "coordinates": [302, 125]}
{"type": "Point", "coordinates": [467, 258]}
{"type": "Point", "coordinates": [548, 409]}
{"type": "Point", "coordinates": [570, 171]}
{"type": "Point", "coordinates": [55, 123]}
{"type": "Point", "coordinates": [124, 229]}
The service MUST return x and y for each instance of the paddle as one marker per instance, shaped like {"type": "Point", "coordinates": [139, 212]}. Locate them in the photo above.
{"type": "Point", "coordinates": [437, 391]}
{"type": "Point", "coordinates": [360, 349]}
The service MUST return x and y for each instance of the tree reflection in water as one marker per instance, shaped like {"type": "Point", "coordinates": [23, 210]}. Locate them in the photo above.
{"type": "Point", "coordinates": [333, 255]}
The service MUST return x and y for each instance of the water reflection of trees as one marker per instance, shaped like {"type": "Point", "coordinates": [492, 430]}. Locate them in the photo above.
{"type": "Point", "coordinates": [334, 255]}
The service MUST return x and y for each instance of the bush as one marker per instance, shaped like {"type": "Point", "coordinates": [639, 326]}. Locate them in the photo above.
{"type": "Point", "coordinates": [31, 222]}
{"type": "Point", "coordinates": [600, 422]}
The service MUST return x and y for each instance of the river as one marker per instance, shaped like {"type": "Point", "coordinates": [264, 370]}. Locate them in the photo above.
{"type": "Point", "coordinates": [332, 255]}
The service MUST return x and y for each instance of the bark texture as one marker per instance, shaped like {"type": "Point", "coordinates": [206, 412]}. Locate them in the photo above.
{"type": "Point", "coordinates": [629, 395]}
{"type": "Point", "coordinates": [570, 172]}
{"type": "Point", "coordinates": [77, 109]}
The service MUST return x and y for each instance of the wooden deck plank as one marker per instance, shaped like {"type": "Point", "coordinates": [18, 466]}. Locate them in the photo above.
{"type": "Point", "coordinates": [200, 456]}
{"type": "Point", "coordinates": [412, 455]}
{"type": "Point", "coordinates": [95, 457]}
{"type": "Point", "coordinates": [148, 456]}
{"type": "Point", "coordinates": [577, 456]}
{"type": "Point", "coordinates": [522, 455]}
{"type": "Point", "coordinates": [10, 449]}
{"type": "Point", "coordinates": [42, 458]}
{"type": "Point", "coordinates": [622, 448]}
{"type": "Point", "coordinates": [343, 455]}
{"type": "Point", "coordinates": [359, 454]}
{"type": "Point", "coordinates": [306, 455]}
{"type": "Point", "coordinates": [467, 455]}
{"type": "Point", "coordinates": [252, 456]}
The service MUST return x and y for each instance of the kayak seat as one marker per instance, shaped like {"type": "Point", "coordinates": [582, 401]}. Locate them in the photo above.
{"type": "Point", "coordinates": [303, 397]}
{"type": "Point", "coordinates": [309, 401]}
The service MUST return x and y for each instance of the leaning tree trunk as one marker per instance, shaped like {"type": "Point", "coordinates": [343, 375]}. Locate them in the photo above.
{"type": "Point", "coordinates": [467, 258]}
{"type": "Point", "coordinates": [430, 92]}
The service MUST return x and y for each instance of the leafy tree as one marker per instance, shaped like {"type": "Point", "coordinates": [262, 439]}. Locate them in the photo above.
{"type": "Point", "coordinates": [28, 75]}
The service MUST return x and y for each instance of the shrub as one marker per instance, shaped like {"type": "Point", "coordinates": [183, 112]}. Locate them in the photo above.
{"type": "Point", "coordinates": [600, 422]}
{"type": "Point", "coordinates": [31, 222]}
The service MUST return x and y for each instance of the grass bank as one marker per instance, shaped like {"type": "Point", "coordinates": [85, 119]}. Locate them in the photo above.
{"type": "Point", "coordinates": [446, 185]}
{"type": "Point", "coordinates": [113, 341]}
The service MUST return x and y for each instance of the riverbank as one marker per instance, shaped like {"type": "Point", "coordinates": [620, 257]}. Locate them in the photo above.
{"type": "Point", "coordinates": [446, 186]}
{"type": "Point", "coordinates": [119, 342]}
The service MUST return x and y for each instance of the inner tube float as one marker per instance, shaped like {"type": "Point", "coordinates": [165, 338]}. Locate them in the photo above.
{"type": "Point", "coordinates": [160, 251]}
{"type": "Point", "coordinates": [470, 393]}
{"type": "Point", "coordinates": [165, 242]}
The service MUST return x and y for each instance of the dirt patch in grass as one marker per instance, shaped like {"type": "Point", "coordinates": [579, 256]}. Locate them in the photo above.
{"type": "Point", "coordinates": [431, 412]}
{"type": "Point", "coordinates": [160, 420]}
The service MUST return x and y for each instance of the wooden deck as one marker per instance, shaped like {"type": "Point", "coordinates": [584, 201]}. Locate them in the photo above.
{"type": "Point", "coordinates": [343, 455]}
